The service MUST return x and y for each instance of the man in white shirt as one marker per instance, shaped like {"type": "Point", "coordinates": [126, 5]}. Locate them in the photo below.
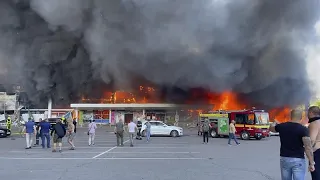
{"type": "Point", "coordinates": [92, 132]}
{"type": "Point", "coordinates": [132, 127]}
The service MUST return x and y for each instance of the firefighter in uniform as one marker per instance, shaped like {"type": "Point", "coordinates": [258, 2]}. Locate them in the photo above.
{"type": "Point", "coordinates": [63, 120]}
{"type": "Point", "coordinates": [9, 123]}
{"type": "Point", "coordinates": [139, 126]}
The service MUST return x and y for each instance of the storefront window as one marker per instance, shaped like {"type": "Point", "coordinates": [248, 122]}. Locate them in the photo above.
{"type": "Point", "coordinates": [101, 116]}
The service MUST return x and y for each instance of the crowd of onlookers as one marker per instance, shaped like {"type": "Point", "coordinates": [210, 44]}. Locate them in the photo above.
{"type": "Point", "coordinates": [48, 132]}
{"type": "Point", "coordinates": [54, 133]}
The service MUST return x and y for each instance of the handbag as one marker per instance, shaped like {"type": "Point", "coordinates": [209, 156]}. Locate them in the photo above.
{"type": "Point", "coordinates": [89, 130]}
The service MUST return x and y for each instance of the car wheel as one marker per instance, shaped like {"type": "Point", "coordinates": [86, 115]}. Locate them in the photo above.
{"type": "Point", "coordinates": [214, 134]}
{"type": "Point", "coordinates": [144, 133]}
{"type": "Point", "coordinates": [174, 133]}
{"type": "Point", "coordinates": [245, 135]}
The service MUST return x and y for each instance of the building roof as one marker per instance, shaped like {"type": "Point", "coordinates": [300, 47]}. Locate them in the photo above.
{"type": "Point", "coordinates": [53, 110]}
{"type": "Point", "coordinates": [132, 106]}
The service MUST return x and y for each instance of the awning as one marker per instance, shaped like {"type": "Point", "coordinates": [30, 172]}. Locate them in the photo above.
{"type": "Point", "coordinates": [135, 106]}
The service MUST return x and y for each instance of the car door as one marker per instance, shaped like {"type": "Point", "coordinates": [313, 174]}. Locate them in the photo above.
{"type": "Point", "coordinates": [162, 128]}
{"type": "Point", "coordinates": [154, 128]}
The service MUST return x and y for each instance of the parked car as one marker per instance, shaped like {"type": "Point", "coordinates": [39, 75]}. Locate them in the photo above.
{"type": "Point", "coordinates": [4, 132]}
{"type": "Point", "coordinates": [159, 128]}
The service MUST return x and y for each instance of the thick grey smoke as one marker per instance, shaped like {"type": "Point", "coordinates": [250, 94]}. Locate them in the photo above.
{"type": "Point", "coordinates": [61, 48]}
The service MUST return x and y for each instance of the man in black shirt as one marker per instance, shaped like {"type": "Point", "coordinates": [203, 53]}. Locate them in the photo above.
{"type": "Point", "coordinates": [295, 141]}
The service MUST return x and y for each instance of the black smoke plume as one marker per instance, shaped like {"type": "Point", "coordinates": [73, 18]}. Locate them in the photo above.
{"type": "Point", "coordinates": [65, 48]}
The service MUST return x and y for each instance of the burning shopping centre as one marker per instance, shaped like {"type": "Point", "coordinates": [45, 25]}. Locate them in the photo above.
{"type": "Point", "coordinates": [190, 51]}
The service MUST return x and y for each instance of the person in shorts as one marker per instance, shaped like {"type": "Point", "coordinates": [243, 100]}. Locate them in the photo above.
{"type": "Point", "coordinates": [71, 134]}
{"type": "Point", "coordinates": [58, 132]}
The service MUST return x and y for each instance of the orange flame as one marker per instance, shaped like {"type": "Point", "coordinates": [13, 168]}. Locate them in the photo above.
{"type": "Point", "coordinates": [224, 101]}
{"type": "Point", "coordinates": [280, 114]}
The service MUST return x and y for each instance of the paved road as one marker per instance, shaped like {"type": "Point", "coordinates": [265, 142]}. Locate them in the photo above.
{"type": "Point", "coordinates": [164, 158]}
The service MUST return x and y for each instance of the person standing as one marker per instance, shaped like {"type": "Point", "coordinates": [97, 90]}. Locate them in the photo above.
{"type": "Point", "coordinates": [75, 125]}
{"type": "Point", "coordinates": [232, 133]}
{"type": "Point", "coordinates": [29, 129]}
{"type": "Point", "coordinates": [118, 130]}
{"type": "Point", "coordinates": [139, 126]}
{"type": "Point", "coordinates": [38, 135]}
{"type": "Point", "coordinates": [314, 129]}
{"type": "Point", "coordinates": [71, 134]}
{"type": "Point", "coordinates": [58, 132]}
{"type": "Point", "coordinates": [205, 131]}
{"type": "Point", "coordinates": [199, 124]}
{"type": "Point", "coordinates": [92, 132]}
{"type": "Point", "coordinates": [132, 127]}
{"type": "Point", "coordinates": [8, 123]}
{"type": "Point", "coordinates": [148, 130]}
{"type": "Point", "coordinates": [45, 133]}
{"type": "Point", "coordinates": [295, 141]}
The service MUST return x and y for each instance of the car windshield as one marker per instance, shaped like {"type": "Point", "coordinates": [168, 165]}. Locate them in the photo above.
{"type": "Point", "coordinates": [262, 118]}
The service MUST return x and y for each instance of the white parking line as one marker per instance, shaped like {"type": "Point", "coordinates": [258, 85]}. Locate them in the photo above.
{"type": "Point", "coordinates": [114, 152]}
{"type": "Point", "coordinates": [35, 158]}
{"type": "Point", "coordinates": [154, 152]}
{"type": "Point", "coordinates": [64, 152]}
{"type": "Point", "coordinates": [94, 157]}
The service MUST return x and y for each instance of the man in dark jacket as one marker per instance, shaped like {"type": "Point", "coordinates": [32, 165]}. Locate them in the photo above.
{"type": "Point", "coordinates": [45, 133]}
{"type": "Point", "coordinates": [139, 126]}
{"type": "Point", "coordinates": [58, 132]}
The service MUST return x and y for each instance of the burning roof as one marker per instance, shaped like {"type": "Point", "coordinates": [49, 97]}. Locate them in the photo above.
{"type": "Point", "coordinates": [91, 47]}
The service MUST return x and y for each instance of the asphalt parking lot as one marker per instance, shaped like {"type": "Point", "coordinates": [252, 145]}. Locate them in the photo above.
{"type": "Point", "coordinates": [163, 158]}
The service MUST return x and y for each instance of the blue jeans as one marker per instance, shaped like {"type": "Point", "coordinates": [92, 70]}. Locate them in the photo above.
{"type": "Point", "coordinates": [292, 168]}
{"type": "Point", "coordinates": [45, 136]}
{"type": "Point", "coordinates": [232, 136]}
{"type": "Point", "coordinates": [148, 135]}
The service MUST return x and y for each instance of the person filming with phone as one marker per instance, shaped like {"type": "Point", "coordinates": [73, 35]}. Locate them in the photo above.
{"type": "Point", "coordinates": [295, 141]}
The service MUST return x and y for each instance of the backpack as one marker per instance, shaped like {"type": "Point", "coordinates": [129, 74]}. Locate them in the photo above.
{"type": "Point", "coordinates": [59, 130]}
{"type": "Point", "coordinates": [205, 127]}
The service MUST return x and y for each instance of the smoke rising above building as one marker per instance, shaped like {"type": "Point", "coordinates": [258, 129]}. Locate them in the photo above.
{"type": "Point", "coordinates": [64, 48]}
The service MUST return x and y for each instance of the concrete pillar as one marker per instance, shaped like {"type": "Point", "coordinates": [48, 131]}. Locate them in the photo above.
{"type": "Point", "coordinates": [49, 108]}
{"type": "Point", "coordinates": [77, 114]}
{"type": "Point", "coordinates": [110, 117]}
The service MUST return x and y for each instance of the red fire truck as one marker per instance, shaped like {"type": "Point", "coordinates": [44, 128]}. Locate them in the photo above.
{"type": "Point", "coordinates": [249, 123]}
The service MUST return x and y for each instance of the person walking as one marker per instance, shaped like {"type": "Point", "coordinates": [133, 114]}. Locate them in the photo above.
{"type": "Point", "coordinates": [118, 130]}
{"type": "Point", "coordinates": [295, 141]}
{"type": "Point", "coordinates": [314, 129]}
{"type": "Point", "coordinates": [71, 134]}
{"type": "Point", "coordinates": [148, 130]}
{"type": "Point", "coordinates": [205, 131]}
{"type": "Point", "coordinates": [29, 129]}
{"type": "Point", "coordinates": [58, 132]}
{"type": "Point", "coordinates": [232, 133]}
{"type": "Point", "coordinates": [132, 127]}
{"type": "Point", "coordinates": [45, 133]}
{"type": "Point", "coordinates": [92, 132]}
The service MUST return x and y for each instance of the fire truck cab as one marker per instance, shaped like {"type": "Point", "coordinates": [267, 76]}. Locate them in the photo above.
{"type": "Point", "coordinates": [249, 123]}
